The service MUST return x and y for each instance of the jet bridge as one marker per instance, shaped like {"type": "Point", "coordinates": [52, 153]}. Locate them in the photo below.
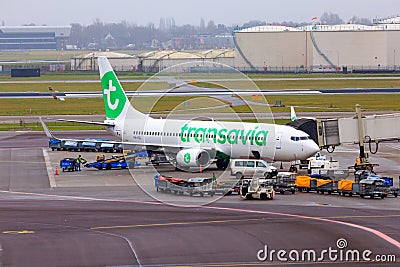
{"type": "Point", "coordinates": [371, 130]}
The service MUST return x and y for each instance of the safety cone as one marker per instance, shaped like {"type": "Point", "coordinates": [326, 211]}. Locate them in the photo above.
{"type": "Point", "coordinates": [201, 169]}
{"type": "Point", "coordinates": [56, 172]}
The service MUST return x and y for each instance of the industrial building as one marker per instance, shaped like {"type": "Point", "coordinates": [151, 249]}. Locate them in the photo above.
{"type": "Point", "coordinates": [119, 61]}
{"type": "Point", "coordinates": [34, 37]}
{"type": "Point", "coordinates": [320, 47]}
{"type": "Point", "coordinates": [155, 61]}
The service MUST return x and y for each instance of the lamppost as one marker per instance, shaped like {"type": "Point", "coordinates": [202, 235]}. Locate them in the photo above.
{"type": "Point", "coordinates": [338, 65]}
{"type": "Point", "coordinates": [394, 59]}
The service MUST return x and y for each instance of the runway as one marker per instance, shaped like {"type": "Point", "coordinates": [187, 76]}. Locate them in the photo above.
{"type": "Point", "coordinates": [87, 224]}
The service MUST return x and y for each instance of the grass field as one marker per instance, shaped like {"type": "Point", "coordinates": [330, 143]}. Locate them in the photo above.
{"type": "Point", "coordinates": [320, 103]}
{"type": "Point", "coordinates": [54, 126]}
{"type": "Point", "coordinates": [131, 86]}
{"type": "Point", "coordinates": [75, 87]}
{"type": "Point", "coordinates": [71, 76]}
{"type": "Point", "coordinates": [37, 107]}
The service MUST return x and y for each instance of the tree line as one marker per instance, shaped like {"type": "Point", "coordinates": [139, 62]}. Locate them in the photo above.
{"type": "Point", "coordinates": [127, 35]}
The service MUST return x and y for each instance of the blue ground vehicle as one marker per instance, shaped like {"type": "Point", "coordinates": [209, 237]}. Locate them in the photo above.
{"type": "Point", "coordinates": [88, 145]}
{"type": "Point", "coordinates": [388, 182]}
{"type": "Point", "coordinates": [68, 164]}
{"type": "Point", "coordinates": [55, 144]}
{"type": "Point", "coordinates": [108, 164]}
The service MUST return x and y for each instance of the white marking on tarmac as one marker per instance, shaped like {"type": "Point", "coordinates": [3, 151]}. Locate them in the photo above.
{"type": "Point", "coordinates": [50, 174]}
{"type": "Point", "coordinates": [367, 229]}
{"type": "Point", "coordinates": [397, 147]}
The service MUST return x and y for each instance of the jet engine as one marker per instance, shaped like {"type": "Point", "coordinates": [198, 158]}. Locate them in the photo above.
{"type": "Point", "coordinates": [193, 157]}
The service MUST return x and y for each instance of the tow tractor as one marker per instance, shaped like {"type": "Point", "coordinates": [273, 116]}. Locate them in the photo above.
{"type": "Point", "coordinates": [371, 185]}
{"type": "Point", "coordinates": [372, 188]}
{"type": "Point", "coordinates": [259, 188]}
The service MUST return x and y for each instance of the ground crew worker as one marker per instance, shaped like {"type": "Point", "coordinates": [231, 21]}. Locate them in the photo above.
{"type": "Point", "coordinates": [79, 161]}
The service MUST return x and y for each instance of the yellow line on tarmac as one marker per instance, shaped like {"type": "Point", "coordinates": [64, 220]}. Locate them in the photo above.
{"type": "Point", "coordinates": [228, 221]}
{"type": "Point", "coordinates": [18, 232]}
{"type": "Point", "coordinates": [174, 223]}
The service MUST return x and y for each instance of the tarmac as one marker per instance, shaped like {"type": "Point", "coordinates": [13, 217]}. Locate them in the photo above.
{"type": "Point", "coordinates": [117, 218]}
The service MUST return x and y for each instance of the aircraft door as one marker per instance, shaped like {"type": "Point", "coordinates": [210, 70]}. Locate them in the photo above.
{"type": "Point", "coordinates": [278, 140]}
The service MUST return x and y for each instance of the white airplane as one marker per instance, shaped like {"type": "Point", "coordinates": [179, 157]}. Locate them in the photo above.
{"type": "Point", "coordinates": [192, 144]}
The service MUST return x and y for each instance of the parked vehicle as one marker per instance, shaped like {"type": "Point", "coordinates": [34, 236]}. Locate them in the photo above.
{"type": "Point", "coordinates": [373, 188]}
{"type": "Point", "coordinates": [257, 188]}
{"type": "Point", "coordinates": [366, 187]}
{"type": "Point", "coordinates": [108, 164]}
{"type": "Point", "coordinates": [68, 164]}
{"type": "Point", "coordinates": [316, 164]}
{"type": "Point", "coordinates": [251, 168]}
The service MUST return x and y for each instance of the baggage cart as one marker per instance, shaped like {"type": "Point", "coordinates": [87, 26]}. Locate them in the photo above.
{"type": "Point", "coordinates": [68, 164]}
{"type": "Point", "coordinates": [306, 183]}
{"type": "Point", "coordinates": [285, 182]}
{"type": "Point", "coordinates": [194, 186]}
{"type": "Point", "coordinates": [326, 185]}
{"type": "Point", "coordinates": [348, 187]}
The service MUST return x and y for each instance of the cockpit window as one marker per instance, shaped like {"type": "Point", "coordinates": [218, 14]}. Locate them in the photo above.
{"type": "Point", "coordinates": [298, 138]}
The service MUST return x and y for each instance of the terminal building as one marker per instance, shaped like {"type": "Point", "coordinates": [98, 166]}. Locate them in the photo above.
{"type": "Point", "coordinates": [34, 37]}
{"type": "Point", "coordinates": [320, 47]}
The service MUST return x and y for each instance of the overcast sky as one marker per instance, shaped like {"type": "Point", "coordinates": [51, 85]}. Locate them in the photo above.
{"type": "Point", "coordinates": [230, 12]}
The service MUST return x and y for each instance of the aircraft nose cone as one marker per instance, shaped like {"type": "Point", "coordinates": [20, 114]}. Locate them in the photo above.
{"type": "Point", "coordinates": [311, 148]}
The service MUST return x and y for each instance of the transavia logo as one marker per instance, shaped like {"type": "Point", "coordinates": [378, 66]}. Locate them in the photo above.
{"type": "Point", "coordinates": [114, 99]}
{"type": "Point", "coordinates": [186, 157]}
{"type": "Point", "coordinates": [223, 135]}
{"type": "Point", "coordinates": [107, 92]}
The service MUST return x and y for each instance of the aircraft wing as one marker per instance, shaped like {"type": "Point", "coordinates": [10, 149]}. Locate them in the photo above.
{"type": "Point", "coordinates": [89, 122]}
{"type": "Point", "coordinates": [49, 134]}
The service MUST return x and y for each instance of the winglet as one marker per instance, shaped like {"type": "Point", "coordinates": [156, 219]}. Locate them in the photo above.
{"type": "Point", "coordinates": [46, 129]}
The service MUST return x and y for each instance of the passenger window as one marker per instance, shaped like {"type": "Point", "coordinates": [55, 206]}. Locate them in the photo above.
{"type": "Point", "coordinates": [260, 164]}
{"type": "Point", "coordinates": [250, 164]}
{"type": "Point", "coordinates": [239, 163]}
